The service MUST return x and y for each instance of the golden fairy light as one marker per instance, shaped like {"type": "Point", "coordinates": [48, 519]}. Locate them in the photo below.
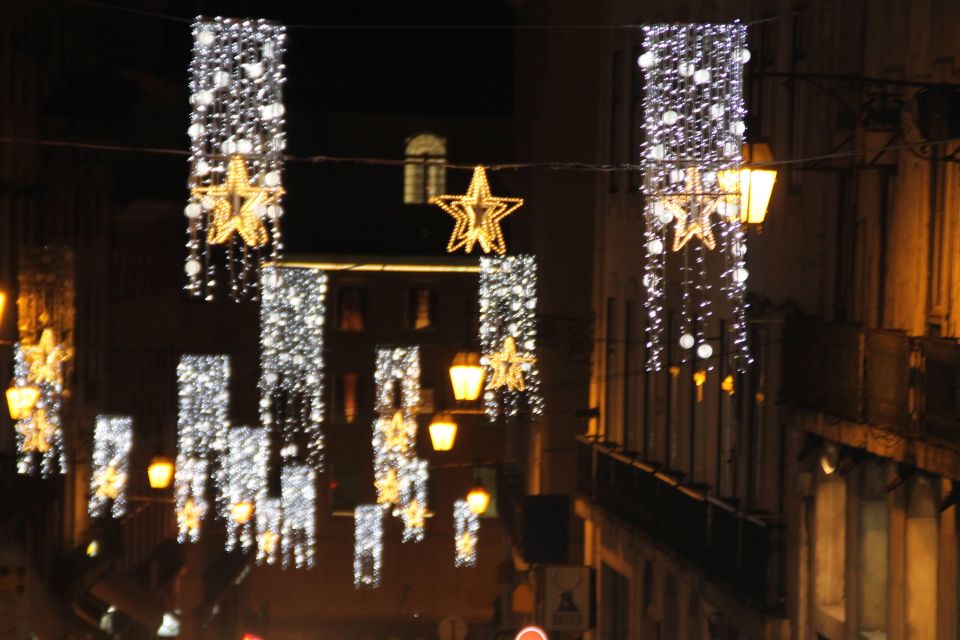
{"type": "Point", "coordinates": [508, 366]}
{"type": "Point", "coordinates": [477, 215]}
{"type": "Point", "coordinates": [692, 211]}
{"type": "Point", "coordinates": [45, 358]}
{"type": "Point", "coordinates": [388, 487]}
{"type": "Point", "coordinates": [37, 433]}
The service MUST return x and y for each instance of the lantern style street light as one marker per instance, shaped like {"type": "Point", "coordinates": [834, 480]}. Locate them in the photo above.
{"type": "Point", "coordinates": [754, 182]}
{"type": "Point", "coordinates": [466, 376]}
{"type": "Point", "coordinates": [443, 431]}
{"type": "Point", "coordinates": [478, 499]}
{"type": "Point", "coordinates": [22, 400]}
{"type": "Point", "coordinates": [160, 472]}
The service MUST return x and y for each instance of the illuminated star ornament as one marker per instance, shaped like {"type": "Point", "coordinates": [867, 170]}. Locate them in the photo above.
{"type": "Point", "coordinates": [237, 141]}
{"type": "Point", "coordinates": [39, 436]}
{"type": "Point", "coordinates": [508, 366]}
{"type": "Point", "coordinates": [37, 433]}
{"type": "Point", "coordinates": [466, 532]}
{"type": "Point", "coordinates": [477, 215]}
{"type": "Point", "coordinates": [45, 358]}
{"type": "Point", "coordinates": [693, 130]}
{"type": "Point", "coordinates": [112, 442]}
{"type": "Point", "coordinates": [237, 206]}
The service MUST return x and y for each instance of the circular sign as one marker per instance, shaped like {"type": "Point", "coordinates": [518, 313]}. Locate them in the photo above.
{"type": "Point", "coordinates": [532, 633]}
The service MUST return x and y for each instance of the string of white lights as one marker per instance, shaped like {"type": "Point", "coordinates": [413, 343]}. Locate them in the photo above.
{"type": "Point", "coordinates": [466, 533]}
{"type": "Point", "coordinates": [236, 151]}
{"type": "Point", "coordinates": [38, 370]}
{"type": "Point", "coordinates": [395, 429]}
{"type": "Point", "coordinates": [694, 126]}
{"type": "Point", "coordinates": [245, 480]}
{"type": "Point", "coordinates": [269, 518]}
{"type": "Point", "coordinates": [298, 497]}
{"type": "Point", "coordinates": [190, 485]}
{"type": "Point", "coordinates": [413, 508]}
{"type": "Point", "coordinates": [508, 335]}
{"type": "Point", "coordinates": [292, 313]}
{"type": "Point", "coordinates": [367, 545]}
{"type": "Point", "coordinates": [112, 441]}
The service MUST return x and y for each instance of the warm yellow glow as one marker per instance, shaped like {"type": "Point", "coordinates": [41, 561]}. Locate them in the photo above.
{"type": "Point", "coordinates": [108, 482]}
{"type": "Point", "coordinates": [36, 433]}
{"type": "Point", "coordinates": [93, 549]}
{"type": "Point", "coordinates": [3, 305]}
{"type": "Point", "coordinates": [508, 367]}
{"type": "Point", "coordinates": [754, 182]}
{"type": "Point", "coordinates": [691, 212]}
{"type": "Point", "coordinates": [829, 459]}
{"type": "Point", "coordinates": [21, 401]}
{"type": "Point", "coordinates": [415, 515]}
{"type": "Point", "coordinates": [466, 544]}
{"type": "Point", "coordinates": [268, 542]}
{"type": "Point", "coordinates": [443, 432]}
{"type": "Point", "coordinates": [388, 488]}
{"type": "Point", "coordinates": [699, 377]}
{"type": "Point", "coordinates": [727, 384]}
{"type": "Point", "coordinates": [466, 376]}
{"type": "Point", "coordinates": [380, 266]}
{"type": "Point", "coordinates": [189, 516]}
{"type": "Point", "coordinates": [45, 357]}
{"type": "Point", "coordinates": [478, 499]}
{"type": "Point", "coordinates": [241, 512]}
{"type": "Point", "coordinates": [478, 214]}
{"type": "Point", "coordinates": [396, 432]}
{"type": "Point", "coordinates": [229, 214]}
{"type": "Point", "coordinates": [160, 472]}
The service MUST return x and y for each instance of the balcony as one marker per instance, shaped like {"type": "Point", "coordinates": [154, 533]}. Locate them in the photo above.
{"type": "Point", "coordinates": [738, 550]}
{"type": "Point", "coordinates": [907, 385]}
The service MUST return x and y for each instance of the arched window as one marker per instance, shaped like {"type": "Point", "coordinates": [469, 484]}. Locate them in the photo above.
{"type": "Point", "coordinates": [424, 175]}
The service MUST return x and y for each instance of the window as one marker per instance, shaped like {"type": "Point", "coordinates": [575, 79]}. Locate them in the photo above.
{"type": "Point", "coordinates": [424, 174]}
{"type": "Point", "coordinates": [615, 98]}
{"type": "Point", "coordinates": [345, 398]}
{"type": "Point", "coordinates": [615, 604]}
{"type": "Point", "coordinates": [346, 488]}
{"type": "Point", "coordinates": [829, 553]}
{"type": "Point", "coordinates": [873, 550]}
{"type": "Point", "coordinates": [421, 308]}
{"type": "Point", "coordinates": [351, 308]}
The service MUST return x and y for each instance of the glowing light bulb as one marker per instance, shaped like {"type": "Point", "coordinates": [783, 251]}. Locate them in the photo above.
{"type": "Point", "coordinates": [686, 341]}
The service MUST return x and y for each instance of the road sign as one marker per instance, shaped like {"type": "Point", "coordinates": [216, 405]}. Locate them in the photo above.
{"type": "Point", "coordinates": [532, 633]}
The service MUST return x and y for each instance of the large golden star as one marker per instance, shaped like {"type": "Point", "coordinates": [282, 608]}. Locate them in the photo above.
{"type": "Point", "coordinates": [388, 488]}
{"type": "Point", "coordinates": [45, 358]}
{"type": "Point", "coordinates": [229, 214]}
{"type": "Point", "coordinates": [477, 214]}
{"type": "Point", "coordinates": [108, 482]}
{"type": "Point", "coordinates": [691, 211]}
{"type": "Point", "coordinates": [508, 367]}
{"type": "Point", "coordinates": [188, 518]}
{"type": "Point", "coordinates": [466, 545]}
{"type": "Point", "coordinates": [37, 433]}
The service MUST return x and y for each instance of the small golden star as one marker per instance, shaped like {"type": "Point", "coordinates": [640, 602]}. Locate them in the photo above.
{"type": "Point", "coordinates": [45, 357]}
{"type": "Point", "coordinates": [189, 516]}
{"type": "Point", "coordinates": [415, 515]}
{"type": "Point", "coordinates": [388, 488]}
{"type": "Point", "coordinates": [396, 432]}
{"type": "Point", "coordinates": [108, 482]}
{"type": "Point", "coordinates": [477, 214]}
{"type": "Point", "coordinates": [36, 433]}
{"type": "Point", "coordinates": [229, 214]}
{"type": "Point", "coordinates": [692, 210]}
{"type": "Point", "coordinates": [268, 542]}
{"type": "Point", "coordinates": [466, 544]}
{"type": "Point", "coordinates": [508, 367]}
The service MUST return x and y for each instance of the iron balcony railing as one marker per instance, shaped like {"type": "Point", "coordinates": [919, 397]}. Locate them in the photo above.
{"type": "Point", "coordinates": [738, 550]}
{"type": "Point", "coordinates": [907, 385]}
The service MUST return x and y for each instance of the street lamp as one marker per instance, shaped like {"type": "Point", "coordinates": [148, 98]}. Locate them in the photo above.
{"type": "Point", "coordinates": [466, 376]}
{"type": "Point", "coordinates": [479, 498]}
{"type": "Point", "coordinates": [160, 472]}
{"type": "Point", "coordinates": [443, 431]}
{"type": "Point", "coordinates": [22, 400]}
{"type": "Point", "coordinates": [754, 182]}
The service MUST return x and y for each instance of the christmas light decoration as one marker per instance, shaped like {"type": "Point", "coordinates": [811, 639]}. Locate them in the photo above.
{"type": "Point", "coordinates": [292, 316]}
{"type": "Point", "coordinates": [477, 215]}
{"type": "Point", "coordinates": [245, 479]}
{"type": "Point", "coordinates": [693, 126]}
{"type": "Point", "coordinates": [38, 434]}
{"type": "Point", "coordinates": [367, 545]}
{"type": "Point", "coordinates": [189, 488]}
{"type": "Point", "coordinates": [112, 441]}
{"type": "Point", "coordinates": [298, 498]}
{"type": "Point", "coordinates": [236, 142]}
{"type": "Point", "coordinates": [395, 430]}
{"type": "Point", "coordinates": [45, 359]}
{"type": "Point", "coordinates": [466, 530]}
{"type": "Point", "coordinates": [412, 507]}
{"type": "Point", "coordinates": [269, 518]}
{"type": "Point", "coordinates": [204, 396]}
{"type": "Point", "coordinates": [508, 334]}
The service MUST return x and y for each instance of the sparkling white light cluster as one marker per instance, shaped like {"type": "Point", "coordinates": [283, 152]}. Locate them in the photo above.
{"type": "Point", "coordinates": [189, 489]}
{"type": "Point", "coordinates": [39, 436]}
{"type": "Point", "coordinates": [237, 76]}
{"type": "Point", "coordinates": [298, 497]}
{"type": "Point", "coordinates": [694, 126]}
{"type": "Point", "coordinates": [292, 315]}
{"type": "Point", "coordinates": [268, 516]}
{"type": "Point", "coordinates": [204, 396]}
{"type": "Point", "coordinates": [245, 479]}
{"type": "Point", "coordinates": [112, 441]}
{"type": "Point", "coordinates": [466, 532]}
{"type": "Point", "coordinates": [412, 508]}
{"type": "Point", "coordinates": [395, 429]}
{"type": "Point", "coordinates": [367, 545]}
{"type": "Point", "coordinates": [508, 304]}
